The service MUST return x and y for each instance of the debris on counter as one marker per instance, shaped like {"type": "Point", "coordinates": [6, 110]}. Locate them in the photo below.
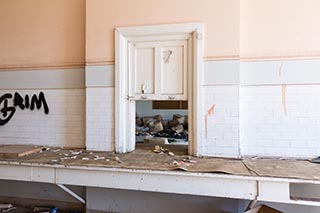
{"type": "Point", "coordinates": [189, 160]}
{"type": "Point", "coordinates": [180, 165]}
{"type": "Point", "coordinates": [75, 152]}
{"type": "Point", "coordinates": [66, 158]}
{"type": "Point", "coordinates": [158, 149]}
{"type": "Point", "coordinates": [96, 157]}
{"type": "Point", "coordinates": [84, 158]}
{"type": "Point", "coordinates": [171, 153]}
{"type": "Point", "coordinates": [156, 126]}
{"type": "Point", "coordinates": [45, 149]}
{"type": "Point", "coordinates": [118, 159]}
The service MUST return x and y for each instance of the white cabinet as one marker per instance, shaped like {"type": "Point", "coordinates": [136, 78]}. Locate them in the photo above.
{"type": "Point", "coordinates": [158, 70]}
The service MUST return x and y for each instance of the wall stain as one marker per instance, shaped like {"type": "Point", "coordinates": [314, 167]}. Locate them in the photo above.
{"type": "Point", "coordinates": [210, 112]}
{"type": "Point", "coordinates": [284, 98]}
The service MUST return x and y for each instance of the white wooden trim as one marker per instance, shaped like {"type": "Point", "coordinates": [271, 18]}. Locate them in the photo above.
{"type": "Point", "coordinates": [184, 28]}
{"type": "Point", "coordinates": [124, 107]}
{"type": "Point", "coordinates": [218, 185]}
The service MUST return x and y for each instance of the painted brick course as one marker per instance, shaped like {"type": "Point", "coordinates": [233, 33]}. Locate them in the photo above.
{"type": "Point", "coordinates": [267, 130]}
{"type": "Point", "coordinates": [64, 125]}
{"type": "Point", "coordinates": [222, 137]}
{"type": "Point", "coordinates": [100, 119]}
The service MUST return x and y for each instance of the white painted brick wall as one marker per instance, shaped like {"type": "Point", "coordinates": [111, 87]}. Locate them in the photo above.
{"type": "Point", "coordinates": [100, 119]}
{"type": "Point", "coordinates": [223, 126]}
{"type": "Point", "coordinates": [267, 131]}
{"type": "Point", "coordinates": [64, 125]}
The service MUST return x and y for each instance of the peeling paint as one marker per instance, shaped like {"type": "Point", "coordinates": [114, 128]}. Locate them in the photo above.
{"type": "Point", "coordinates": [210, 112]}
{"type": "Point", "coordinates": [167, 54]}
{"type": "Point", "coordinates": [284, 97]}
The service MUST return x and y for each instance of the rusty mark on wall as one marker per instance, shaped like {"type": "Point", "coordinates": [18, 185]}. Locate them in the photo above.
{"type": "Point", "coordinates": [284, 97]}
{"type": "Point", "coordinates": [210, 112]}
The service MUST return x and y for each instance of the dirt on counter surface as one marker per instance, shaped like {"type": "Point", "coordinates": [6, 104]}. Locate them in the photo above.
{"type": "Point", "coordinates": [162, 157]}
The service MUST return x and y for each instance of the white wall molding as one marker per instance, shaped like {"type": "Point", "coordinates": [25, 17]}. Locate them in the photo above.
{"type": "Point", "coordinates": [43, 79]}
{"type": "Point", "coordinates": [224, 72]}
{"type": "Point", "coordinates": [280, 72]}
{"type": "Point", "coordinates": [100, 76]}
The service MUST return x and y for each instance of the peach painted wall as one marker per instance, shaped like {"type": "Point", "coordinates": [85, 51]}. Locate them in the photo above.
{"type": "Point", "coordinates": [279, 28]}
{"type": "Point", "coordinates": [221, 19]}
{"type": "Point", "coordinates": [42, 33]}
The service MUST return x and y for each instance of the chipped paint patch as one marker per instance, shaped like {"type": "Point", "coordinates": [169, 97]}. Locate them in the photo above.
{"type": "Point", "coordinates": [210, 112]}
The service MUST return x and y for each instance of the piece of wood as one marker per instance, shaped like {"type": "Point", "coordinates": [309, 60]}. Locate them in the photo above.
{"type": "Point", "coordinates": [13, 151]}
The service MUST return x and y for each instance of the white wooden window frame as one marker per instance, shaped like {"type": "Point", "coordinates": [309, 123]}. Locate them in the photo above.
{"type": "Point", "coordinates": [125, 109]}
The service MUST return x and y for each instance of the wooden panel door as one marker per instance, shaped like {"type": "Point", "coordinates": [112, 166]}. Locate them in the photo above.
{"type": "Point", "coordinates": [173, 68]}
{"type": "Point", "coordinates": [158, 70]}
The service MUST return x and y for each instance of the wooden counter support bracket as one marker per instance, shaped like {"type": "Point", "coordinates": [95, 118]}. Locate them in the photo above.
{"type": "Point", "coordinates": [70, 192]}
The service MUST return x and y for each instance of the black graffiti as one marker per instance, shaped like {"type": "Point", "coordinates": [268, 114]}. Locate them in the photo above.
{"type": "Point", "coordinates": [7, 112]}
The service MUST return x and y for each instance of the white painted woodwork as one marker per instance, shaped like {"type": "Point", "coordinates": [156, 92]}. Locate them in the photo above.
{"type": "Point", "coordinates": [174, 71]}
{"type": "Point", "coordinates": [135, 43]}
{"type": "Point", "coordinates": [158, 70]}
{"type": "Point", "coordinates": [216, 185]}
{"type": "Point", "coordinates": [143, 71]}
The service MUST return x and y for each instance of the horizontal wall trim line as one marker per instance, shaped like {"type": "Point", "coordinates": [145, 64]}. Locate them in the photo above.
{"type": "Point", "coordinates": [221, 58]}
{"type": "Point", "coordinates": [230, 58]}
{"type": "Point", "coordinates": [279, 58]}
{"type": "Point", "coordinates": [289, 72]}
{"type": "Point", "coordinates": [232, 72]}
{"type": "Point", "coordinates": [100, 76]}
{"type": "Point", "coordinates": [272, 85]}
{"type": "Point", "coordinates": [39, 79]}
{"type": "Point", "coordinates": [42, 67]}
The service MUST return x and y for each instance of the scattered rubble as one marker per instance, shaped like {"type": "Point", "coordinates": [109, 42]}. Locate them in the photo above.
{"type": "Point", "coordinates": [75, 152]}
{"type": "Point", "coordinates": [171, 153]}
{"type": "Point", "coordinates": [84, 158]}
{"type": "Point", "coordinates": [160, 150]}
{"type": "Point", "coordinates": [96, 157]}
{"type": "Point", "coordinates": [118, 159]}
{"type": "Point", "coordinates": [157, 126]}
